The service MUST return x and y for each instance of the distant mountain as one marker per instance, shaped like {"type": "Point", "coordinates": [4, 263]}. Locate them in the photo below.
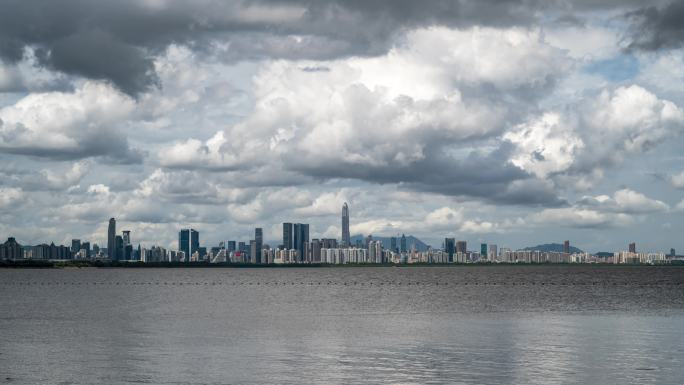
{"type": "Point", "coordinates": [387, 243]}
{"type": "Point", "coordinates": [552, 247]}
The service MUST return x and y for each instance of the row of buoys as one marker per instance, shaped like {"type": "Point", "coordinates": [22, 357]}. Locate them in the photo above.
{"type": "Point", "coordinates": [353, 283]}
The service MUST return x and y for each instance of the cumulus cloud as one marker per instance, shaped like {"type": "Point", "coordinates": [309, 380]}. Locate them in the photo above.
{"type": "Point", "coordinates": [595, 133]}
{"type": "Point", "coordinates": [625, 201]}
{"type": "Point", "coordinates": [396, 118]}
{"type": "Point", "coordinates": [68, 125]}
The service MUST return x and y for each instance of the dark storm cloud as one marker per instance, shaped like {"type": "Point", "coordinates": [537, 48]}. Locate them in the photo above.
{"type": "Point", "coordinates": [490, 177]}
{"type": "Point", "coordinates": [656, 28]}
{"type": "Point", "coordinates": [117, 41]}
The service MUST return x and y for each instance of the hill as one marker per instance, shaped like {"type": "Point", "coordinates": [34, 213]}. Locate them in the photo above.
{"type": "Point", "coordinates": [552, 247]}
{"type": "Point", "coordinates": [386, 241]}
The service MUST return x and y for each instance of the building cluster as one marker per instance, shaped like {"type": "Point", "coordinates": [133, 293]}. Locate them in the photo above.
{"type": "Point", "coordinates": [298, 248]}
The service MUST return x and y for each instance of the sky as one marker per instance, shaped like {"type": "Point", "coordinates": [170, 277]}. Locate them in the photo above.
{"type": "Point", "coordinates": [511, 122]}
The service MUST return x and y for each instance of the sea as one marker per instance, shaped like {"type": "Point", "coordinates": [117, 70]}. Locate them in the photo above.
{"type": "Point", "coordinates": [546, 324]}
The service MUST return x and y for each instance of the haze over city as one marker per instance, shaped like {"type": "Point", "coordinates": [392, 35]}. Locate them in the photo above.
{"type": "Point", "coordinates": [507, 122]}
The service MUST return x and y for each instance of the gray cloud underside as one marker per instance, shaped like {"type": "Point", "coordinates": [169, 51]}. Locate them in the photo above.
{"type": "Point", "coordinates": [117, 41]}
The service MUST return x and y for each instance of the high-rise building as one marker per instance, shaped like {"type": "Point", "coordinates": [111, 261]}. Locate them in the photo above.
{"type": "Point", "coordinates": [403, 243]}
{"type": "Point", "coordinates": [632, 247]}
{"type": "Point", "coordinates": [672, 253]}
{"type": "Point", "coordinates": [119, 248]}
{"type": "Point", "coordinates": [450, 248]}
{"type": "Point", "coordinates": [461, 247]}
{"type": "Point", "coordinates": [188, 242]}
{"type": "Point", "coordinates": [301, 237]}
{"type": "Point", "coordinates": [566, 247]}
{"type": "Point", "coordinates": [493, 253]}
{"type": "Point", "coordinates": [111, 239]}
{"type": "Point", "coordinates": [346, 238]}
{"type": "Point", "coordinates": [316, 246]}
{"type": "Point", "coordinates": [287, 236]}
{"type": "Point", "coordinates": [126, 237]}
{"type": "Point", "coordinates": [253, 251]}
{"type": "Point", "coordinates": [11, 249]}
{"type": "Point", "coordinates": [86, 247]}
{"type": "Point", "coordinates": [231, 246]}
{"type": "Point", "coordinates": [75, 245]}
{"type": "Point", "coordinates": [393, 244]}
{"type": "Point", "coordinates": [259, 239]}
{"type": "Point", "coordinates": [483, 250]}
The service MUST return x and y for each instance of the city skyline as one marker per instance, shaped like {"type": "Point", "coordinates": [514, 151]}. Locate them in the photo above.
{"type": "Point", "coordinates": [518, 121]}
{"type": "Point", "coordinates": [300, 247]}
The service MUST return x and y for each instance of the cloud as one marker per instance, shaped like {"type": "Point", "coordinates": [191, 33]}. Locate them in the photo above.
{"type": "Point", "coordinates": [593, 134]}
{"type": "Point", "coordinates": [118, 41]}
{"type": "Point", "coordinates": [69, 125]}
{"type": "Point", "coordinates": [580, 218]}
{"type": "Point", "coordinates": [396, 118]}
{"type": "Point", "coordinates": [656, 27]}
{"type": "Point", "coordinates": [677, 180]}
{"type": "Point", "coordinates": [625, 201]}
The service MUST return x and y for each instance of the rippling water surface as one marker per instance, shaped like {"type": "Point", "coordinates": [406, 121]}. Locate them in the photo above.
{"type": "Point", "coordinates": [471, 325]}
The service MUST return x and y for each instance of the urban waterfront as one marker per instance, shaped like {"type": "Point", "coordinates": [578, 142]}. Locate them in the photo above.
{"type": "Point", "coordinates": [480, 324]}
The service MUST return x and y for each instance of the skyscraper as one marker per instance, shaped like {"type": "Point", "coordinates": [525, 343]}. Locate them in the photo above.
{"type": "Point", "coordinates": [632, 247]}
{"type": "Point", "coordinates": [126, 237]}
{"type": "Point", "coordinates": [450, 248]}
{"type": "Point", "coordinates": [346, 239]}
{"type": "Point", "coordinates": [566, 247]}
{"type": "Point", "coordinates": [403, 243]}
{"type": "Point", "coordinates": [483, 250]}
{"type": "Point", "coordinates": [75, 245]}
{"type": "Point", "coordinates": [461, 247]}
{"type": "Point", "coordinates": [287, 236]}
{"type": "Point", "coordinates": [188, 242]}
{"type": "Point", "coordinates": [111, 239]}
{"type": "Point", "coordinates": [259, 239]}
{"type": "Point", "coordinates": [393, 244]}
{"type": "Point", "coordinates": [119, 248]}
{"type": "Point", "coordinates": [301, 238]}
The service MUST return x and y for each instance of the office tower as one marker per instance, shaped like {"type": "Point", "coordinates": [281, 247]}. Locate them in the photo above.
{"type": "Point", "coordinates": [259, 239]}
{"type": "Point", "coordinates": [126, 237]}
{"type": "Point", "coordinates": [492, 254]}
{"type": "Point", "coordinates": [346, 239]}
{"type": "Point", "coordinates": [461, 247]}
{"type": "Point", "coordinates": [301, 236]}
{"type": "Point", "coordinates": [632, 247]}
{"type": "Point", "coordinates": [483, 250]}
{"type": "Point", "coordinates": [96, 249]}
{"type": "Point", "coordinates": [75, 245]}
{"type": "Point", "coordinates": [566, 247]}
{"type": "Point", "coordinates": [86, 247]}
{"type": "Point", "coordinates": [118, 248]}
{"type": "Point", "coordinates": [188, 242]}
{"type": "Point", "coordinates": [393, 244]}
{"type": "Point", "coordinates": [403, 243]}
{"type": "Point", "coordinates": [329, 243]}
{"type": "Point", "coordinates": [127, 252]}
{"type": "Point", "coordinates": [450, 248]}
{"type": "Point", "coordinates": [316, 247]}
{"type": "Point", "coordinates": [111, 239]}
{"type": "Point", "coordinates": [672, 252]}
{"type": "Point", "coordinates": [253, 251]}
{"type": "Point", "coordinates": [231, 246]}
{"type": "Point", "coordinates": [287, 236]}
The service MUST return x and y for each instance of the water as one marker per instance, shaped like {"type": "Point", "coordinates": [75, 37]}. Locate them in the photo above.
{"type": "Point", "coordinates": [470, 325]}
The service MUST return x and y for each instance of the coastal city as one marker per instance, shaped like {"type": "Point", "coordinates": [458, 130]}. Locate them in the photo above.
{"type": "Point", "coordinates": [298, 248]}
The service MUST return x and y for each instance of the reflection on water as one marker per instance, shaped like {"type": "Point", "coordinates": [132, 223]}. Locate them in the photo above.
{"type": "Point", "coordinates": [506, 325]}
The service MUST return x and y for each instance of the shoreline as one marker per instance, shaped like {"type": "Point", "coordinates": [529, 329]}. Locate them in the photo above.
{"type": "Point", "coordinates": [35, 264]}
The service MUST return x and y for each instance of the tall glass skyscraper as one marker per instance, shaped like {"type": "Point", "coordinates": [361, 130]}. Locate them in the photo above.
{"type": "Point", "coordinates": [346, 239]}
{"type": "Point", "coordinates": [111, 239]}
{"type": "Point", "coordinates": [188, 242]}
{"type": "Point", "coordinates": [259, 239]}
{"type": "Point", "coordinates": [301, 239]}
{"type": "Point", "coordinates": [287, 236]}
